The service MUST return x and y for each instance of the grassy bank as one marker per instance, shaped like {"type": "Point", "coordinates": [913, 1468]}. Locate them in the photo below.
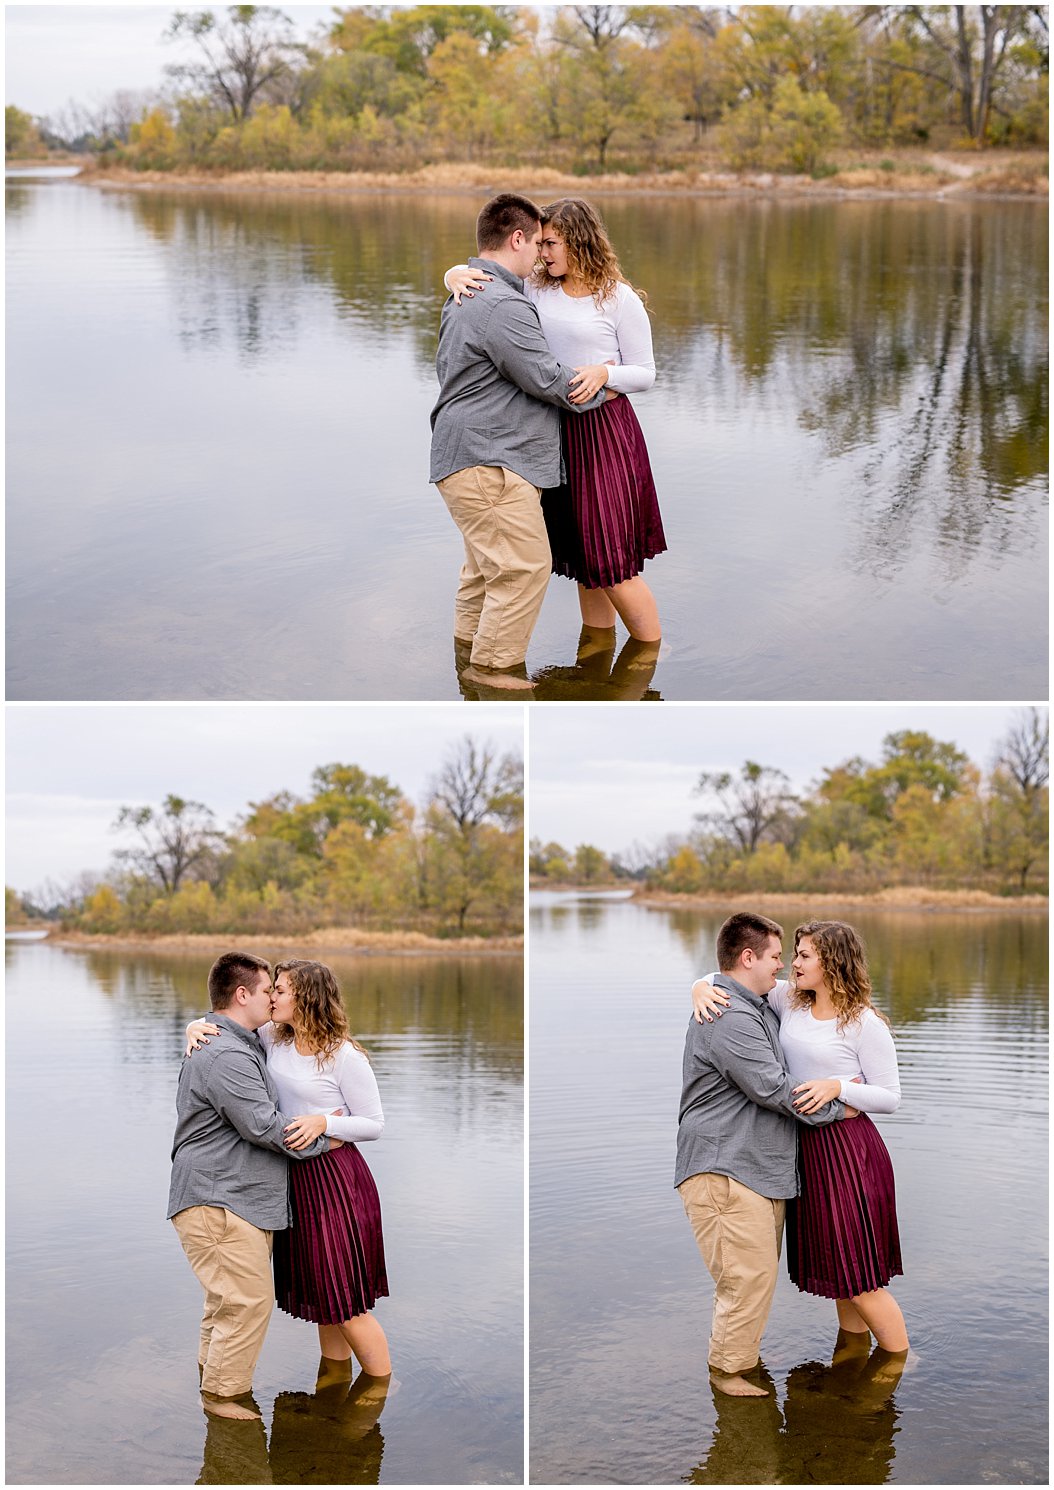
{"type": "Point", "coordinates": [861, 174]}
{"type": "Point", "coordinates": [328, 941]}
{"type": "Point", "coordinates": [894, 898]}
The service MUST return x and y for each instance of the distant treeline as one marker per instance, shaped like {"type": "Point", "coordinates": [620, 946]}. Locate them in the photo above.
{"type": "Point", "coordinates": [354, 853]}
{"type": "Point", "coordinates": [579, 88]}
{"type": "Point", "coordinates": [920, 815]}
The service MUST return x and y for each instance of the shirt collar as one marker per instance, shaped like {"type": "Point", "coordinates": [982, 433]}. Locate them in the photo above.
{"type": "Point", "coordinates": [235, 1028]}
{"type": "Point", "coordinates": [725, 981]}
{"type": "Point", "coordinates": [491, 266]}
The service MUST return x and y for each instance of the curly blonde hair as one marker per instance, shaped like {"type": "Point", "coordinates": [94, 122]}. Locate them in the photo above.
{"type": "Point", "coordinates": [590, 256]}
{"type": "Point", "coordinates": [322, 1024]}
{"type": "Point", "coordinates": [843, 962]}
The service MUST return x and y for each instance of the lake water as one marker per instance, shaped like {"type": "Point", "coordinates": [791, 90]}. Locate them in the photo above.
{"type": "Point", "coordinates": [218, 448]}
{"type": "Point", "coordinates": [103, 1309]}
{"type": "Point", "coordinates": [620, 1299]}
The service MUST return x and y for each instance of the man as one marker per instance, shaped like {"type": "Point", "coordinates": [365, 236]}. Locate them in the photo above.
{"type": "Point", "coordinates": [230, 1181]}
{"type": "Point", "coordinates": [496, 444]}
{"type": "Point", "coordinates": [737, 1146]}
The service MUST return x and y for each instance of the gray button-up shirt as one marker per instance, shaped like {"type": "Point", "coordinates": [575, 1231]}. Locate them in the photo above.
{"type": "Point", "coordinates": [229, 1148]}
{"type": "Point", "coordinates": [500, 387]}
{"type": "Point", "coordinates": [737, 1116]}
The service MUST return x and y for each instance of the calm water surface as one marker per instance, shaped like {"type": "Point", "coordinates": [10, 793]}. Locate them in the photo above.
{"type": "Point", "coordinates": [103, 1309]}
{"type": "Point", "coordinates": [620, 1299]}
{"type": "Point", "coordinates": [218, 448]}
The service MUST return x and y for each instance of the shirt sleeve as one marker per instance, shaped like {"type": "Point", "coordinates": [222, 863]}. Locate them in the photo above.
{"type": "Point", "coordinates": [358, 1089]}
{"type": "Point", "coordinates": [880, 1089]}
{"type": "Point", "coordinates": [633, 329]}
{"type": "Point", "coordinates": [236, 1089]}
{"type": "Point", "coordinates": [516, 344]}
{"type": "Point", "coordinates": [740, 1050]}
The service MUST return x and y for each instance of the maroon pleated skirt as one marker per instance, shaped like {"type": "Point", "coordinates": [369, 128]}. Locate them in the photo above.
{"type": "Point", "coordinates": [842, 1236]}
{"type": "Point", "coordinates": [604, 522]}
{"type": "Point", "coordinates": [329, 1265]}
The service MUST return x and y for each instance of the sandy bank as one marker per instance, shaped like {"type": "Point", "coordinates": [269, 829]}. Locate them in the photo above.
{"type": "Point", "coordinates": [954, 174]}
{"type": "Point", "coordinates": [328, 941]}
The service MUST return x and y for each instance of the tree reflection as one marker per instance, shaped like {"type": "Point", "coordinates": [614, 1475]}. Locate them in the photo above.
{"type": "Point", "coordinates": [920, 963]}
{"type": "Point", "coordinates": [907, 337]}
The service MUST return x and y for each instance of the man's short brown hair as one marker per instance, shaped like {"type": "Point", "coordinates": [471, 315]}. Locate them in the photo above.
{"type": "Point", "coordinates": [741, 931]}
{"type": "Point", "coordinates": [231, 971]}
{"type": "Point", "coordinates": [504, 215]}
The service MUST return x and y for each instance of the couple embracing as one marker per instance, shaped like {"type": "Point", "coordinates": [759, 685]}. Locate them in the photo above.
{"type": "Point", "coordinates": [249, 1177]}
{"type": "Point", "coordinates": [536, 449]}
{"type": "Point", "coordinates": [778, 1082]}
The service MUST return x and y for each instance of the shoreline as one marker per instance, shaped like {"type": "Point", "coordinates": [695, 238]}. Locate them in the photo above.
{"type": "Point", "coordinates": [330, 941]}
{"type": "Point", "coordinates": [912, 898]}
{"type": "Point", "coordinates": [937, 177]}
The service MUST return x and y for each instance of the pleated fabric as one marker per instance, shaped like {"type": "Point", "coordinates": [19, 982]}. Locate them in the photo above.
{"type": "Point", "coordinates": [604, 522]}
{"type": "Point", "coordinates": [329, 1265]}
{"type": "Point", "coordinates": [842, 1234]}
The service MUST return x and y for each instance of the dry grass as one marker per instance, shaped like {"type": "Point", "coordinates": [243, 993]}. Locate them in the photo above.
{"type": "Point", "coordinates": [894, 897]}
{"type": "Point", "coordinates": [328, 939]}
{"type": "Point", "coordinates": [952, 174]}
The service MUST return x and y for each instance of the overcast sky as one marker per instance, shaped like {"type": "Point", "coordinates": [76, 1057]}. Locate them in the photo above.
{"type": "Point", "coordinates": [69, 768]}
{"type": "Point", "coordinates": [612, 775]}
{"type": "Point", "coordinates": [87, 52]}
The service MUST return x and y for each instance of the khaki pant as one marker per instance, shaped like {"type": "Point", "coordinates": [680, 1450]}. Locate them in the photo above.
{"type": "Point", "coordinates": [507, 561]}
{"type": "Point", "coordinates": [739, 1234]}
{"type": "Point", "coordinates": [232, 1262]}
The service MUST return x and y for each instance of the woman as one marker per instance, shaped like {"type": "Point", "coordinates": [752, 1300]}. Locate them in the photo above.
{"type": "Point", "coordinates": [842, 1237]}
{"type": "Point", "coordinates": [604, 523]}
{"type": "Point", "coordinates": [329, 1266]}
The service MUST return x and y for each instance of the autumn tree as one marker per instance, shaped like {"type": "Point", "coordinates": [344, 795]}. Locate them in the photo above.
{"type": "Point", "coordinates": [177, 841]}
{"type": "Point", "coordinates": [236, 58]}
{"type": "Point", "coordinates": [968, 51]}
{"type": "Point", "coordinates": [474, 841]}
{"type": "Point", "coordinates": [753, 804]}
{"type": "Point", "coordinates": [21, 135]}
{"type": "Point", "coordinates": [1020, 796]}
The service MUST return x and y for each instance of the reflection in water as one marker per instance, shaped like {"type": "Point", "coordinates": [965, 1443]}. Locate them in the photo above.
{"type": "Point", "coordinates": [598, 673]}
{"type": "Point", "coordinates": [856, 387]}
{"type": "Point", "coordinates": [908, 335]}
{"type": "Point", "coordinates": [327, 1437]}
{"type": "Point", "coordinates": [920, 964]}
{"type": "Point", "coordinates": [837, 1425]}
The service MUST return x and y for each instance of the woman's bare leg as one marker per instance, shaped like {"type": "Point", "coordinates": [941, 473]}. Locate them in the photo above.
{"type": "Point", "coordinates": [369, 1342]}
{"type": "Point", "coordinates": [335, 1365]}
{"type": "Point", "coordinates": [850, 1318]}
{"type": "Point", "coordinates": [636, 606]}
{"type": "Point", "coordinates": [596, 608]}
{"type": "Point", "coordinates": [881, 1313]}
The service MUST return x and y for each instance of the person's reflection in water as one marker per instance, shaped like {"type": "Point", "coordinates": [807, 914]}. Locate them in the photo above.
{"type": "Point", "coordinates": [840, 1420]}
{"type": "Point", "coordinates": [329, 1437]}
{"type": "Point", "coordinates": [747, 1438]}
{"type": "Point", "coordinates": [332, 1437]}
{"type": "Point", "coordinates": [594, 677]}
{"type": "Point", "coordinates": [235, 1451]}
{"type": "Point", "coordinates": [473, 689]}
{"type": "Point", "coordinates": [837, 1425]}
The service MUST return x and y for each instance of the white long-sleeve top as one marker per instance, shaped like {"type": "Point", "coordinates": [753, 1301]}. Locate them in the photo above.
{"type": "Point", "coordinates": [346, 1080]}
{"type": "Point", "coordinates": [861, 1056]}
{"type": "Point", "coordinates": [582, 334]}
